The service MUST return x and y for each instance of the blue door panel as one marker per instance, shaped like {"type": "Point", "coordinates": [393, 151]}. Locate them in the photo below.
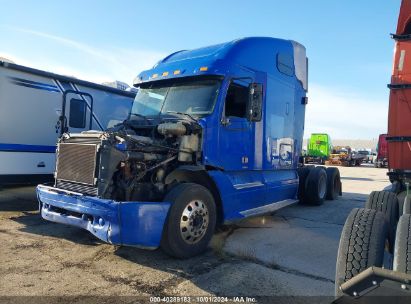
{"type": "Point", "coordinates": [235, 145]}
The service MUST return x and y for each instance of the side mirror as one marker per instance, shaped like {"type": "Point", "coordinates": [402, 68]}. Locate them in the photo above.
{"type": "Point", "coordinates": [255, 102]}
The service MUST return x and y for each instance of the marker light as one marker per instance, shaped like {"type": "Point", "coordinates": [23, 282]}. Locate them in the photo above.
{"type": "Point", "coordinates": [203, 69]}
{"type": "Point", "coordinates": [165, 74]}
{"type": "Point", "coordinates": [154, 76]}
{"type": "Point", "coordinates": [177, 72]}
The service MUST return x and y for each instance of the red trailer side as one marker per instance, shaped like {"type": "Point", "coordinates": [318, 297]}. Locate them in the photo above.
{"type": "Point", "coordinates": [399, 114]}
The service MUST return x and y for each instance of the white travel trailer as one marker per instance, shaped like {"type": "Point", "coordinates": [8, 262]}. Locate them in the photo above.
{"type": "Point", "coordinates": [36, 107]}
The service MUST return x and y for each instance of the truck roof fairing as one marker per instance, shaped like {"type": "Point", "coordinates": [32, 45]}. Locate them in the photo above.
{"type": "Point", "coordinates": [223, 59]}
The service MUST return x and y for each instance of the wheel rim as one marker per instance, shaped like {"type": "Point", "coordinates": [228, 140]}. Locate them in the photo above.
{"type": "Point", "coordinates": [194, 222]}
{"type": "Point", "coordinates": [322, 187]}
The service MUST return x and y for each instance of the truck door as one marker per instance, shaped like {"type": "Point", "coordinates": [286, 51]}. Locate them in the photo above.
{"type": "Point", "coordinates": [235, 130]}
{"type": "Point", "coordinates": [238, 143]}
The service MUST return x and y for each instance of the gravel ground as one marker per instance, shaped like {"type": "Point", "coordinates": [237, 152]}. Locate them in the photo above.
{"type": "Point", "coordinates": [289, 253]}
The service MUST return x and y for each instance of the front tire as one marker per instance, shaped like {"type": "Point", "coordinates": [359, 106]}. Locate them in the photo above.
{"type": "Point", "coordinates": [191, 221]}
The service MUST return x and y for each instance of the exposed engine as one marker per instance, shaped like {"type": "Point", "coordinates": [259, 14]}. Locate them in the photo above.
{"type": "Point", "coordinates": [128, 162]}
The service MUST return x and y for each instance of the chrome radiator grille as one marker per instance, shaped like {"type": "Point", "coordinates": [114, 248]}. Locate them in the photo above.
{"type": "Point", "coordinates": [77, 163]}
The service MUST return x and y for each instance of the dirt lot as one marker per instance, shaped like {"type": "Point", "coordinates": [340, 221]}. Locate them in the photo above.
{"type": "Point", "coordinates": [291, 252]}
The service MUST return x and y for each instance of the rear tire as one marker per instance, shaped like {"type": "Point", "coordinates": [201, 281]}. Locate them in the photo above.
{"type": "Point", "coordinates": [316, 186]}
{"type": "Point", "coordinates": [387, 203]}
{"type": "Point", "coordinates": [401, 198]}
{"type": "Point", "coordinates": [402, 252]}
{"type": "Point", "coordinates": [406, 205]}
{"type": "Point", "coordinates": [396, 187]}
{"type": "Point", "coordinates": [190, 222]}
{"type": "Point", "coordinates": [333, 183]}
{"type": "Point", "coordinates": [302, 182]}
{"type": "Point", "coordinates": [361, 245]}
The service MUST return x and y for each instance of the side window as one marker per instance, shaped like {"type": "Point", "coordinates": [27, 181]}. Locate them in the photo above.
{"type": "Point", "coordinates": [285, 64]}
{"type": "Point", "coordinates": [236, 101]}
{"type": "Point", "coordinates": [77, 113]}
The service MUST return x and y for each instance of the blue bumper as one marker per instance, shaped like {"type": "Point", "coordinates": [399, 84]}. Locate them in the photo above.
{"type": "Point", "coordinates": [121, 223]}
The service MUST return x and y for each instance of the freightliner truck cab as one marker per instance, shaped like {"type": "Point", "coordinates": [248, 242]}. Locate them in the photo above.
{"type": "Point", "coordinates": [214, 136]}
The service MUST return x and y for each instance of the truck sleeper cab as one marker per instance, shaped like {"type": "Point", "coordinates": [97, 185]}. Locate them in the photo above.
{"type": "Point", "coordinates": [213, 136]}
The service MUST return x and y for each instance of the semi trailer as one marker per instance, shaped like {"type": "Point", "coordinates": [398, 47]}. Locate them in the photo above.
{"type": "Point", "coordinates": [214, 135]}
{"type": "Point", "coordinates": [33, 105]}
{"type": "Point", "coordinates": [374, 254]}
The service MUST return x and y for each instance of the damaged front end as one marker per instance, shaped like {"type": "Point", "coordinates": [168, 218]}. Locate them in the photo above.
{"type": "Point", "coordinates": [113, 183]}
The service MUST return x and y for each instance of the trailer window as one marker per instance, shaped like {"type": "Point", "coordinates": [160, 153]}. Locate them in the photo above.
{"type": "Point", "coordinates": [285, 64]}
{"type": "Point", "coordinates": [236, 101]}
{"type": "Point", "coordinates": [77, 117]}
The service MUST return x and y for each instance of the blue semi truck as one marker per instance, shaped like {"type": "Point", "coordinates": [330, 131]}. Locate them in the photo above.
{"type": "Point", "coordinates": [214, 136]}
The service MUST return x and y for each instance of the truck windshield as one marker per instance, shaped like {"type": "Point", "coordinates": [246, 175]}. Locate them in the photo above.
{"type": "Point", "coordinates": [195, 97]}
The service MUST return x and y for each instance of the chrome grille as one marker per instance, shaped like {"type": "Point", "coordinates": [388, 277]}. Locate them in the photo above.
{"type": "Point", "coordinates": [77, 163]}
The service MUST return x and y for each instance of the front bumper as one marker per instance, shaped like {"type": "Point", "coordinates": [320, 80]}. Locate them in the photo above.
{"type": "Point", "coordinates": [121, 223]}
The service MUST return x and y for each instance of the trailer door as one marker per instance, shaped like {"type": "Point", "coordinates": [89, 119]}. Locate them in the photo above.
{"type": "Point", "coordinates": [77, 111]}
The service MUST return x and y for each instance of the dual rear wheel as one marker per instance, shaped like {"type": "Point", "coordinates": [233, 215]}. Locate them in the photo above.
{"type": "Point", "coordinates": [317, 184]}
{"type": "Point", "coordinates": [371, 234]}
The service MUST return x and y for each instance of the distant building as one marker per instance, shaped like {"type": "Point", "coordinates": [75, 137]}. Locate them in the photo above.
{"type": "Point", "coordinates": [120, 85]}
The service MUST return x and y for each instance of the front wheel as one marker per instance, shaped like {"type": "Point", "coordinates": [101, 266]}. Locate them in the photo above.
{"type": "Point", "coordinates": [190, 222]}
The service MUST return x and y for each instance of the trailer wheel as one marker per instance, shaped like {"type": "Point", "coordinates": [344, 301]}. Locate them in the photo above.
{"type": "Point", "coordinates": [361, 246]}
{"type": "Point", "coordinates": [387, 203]}
{"type": "Point", "coordinates": [316, 186]}
{"type": "Point", "coordinates": [190, 222]}
{"type": "Point", "coordinates": [333, 183]}
{"type": "Point", "coordinates": [402, 252]}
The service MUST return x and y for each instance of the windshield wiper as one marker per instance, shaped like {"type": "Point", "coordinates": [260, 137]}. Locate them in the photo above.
{"type": "Point", "coordinates": [182, 113]}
